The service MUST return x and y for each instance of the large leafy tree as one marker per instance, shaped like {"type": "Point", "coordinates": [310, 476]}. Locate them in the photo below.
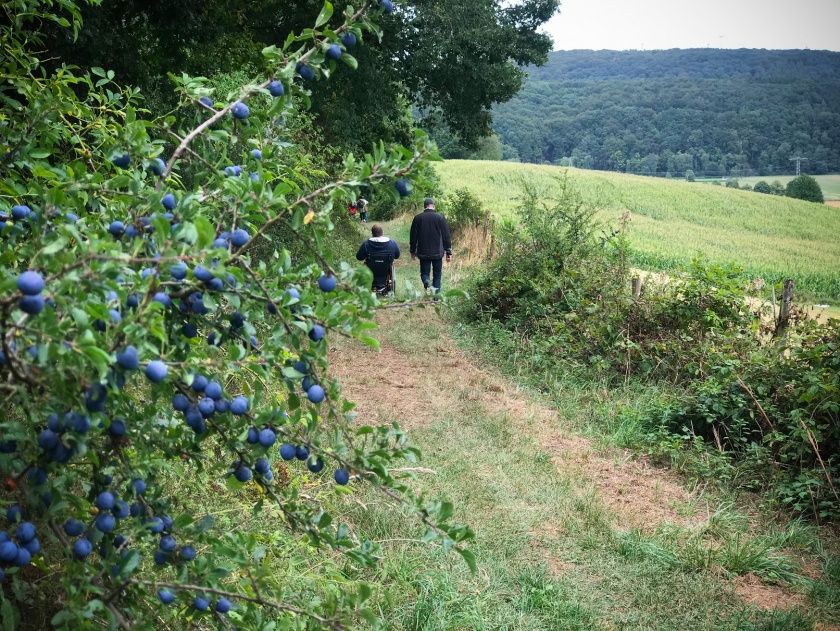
{"type": "Point", "coordinates": [452, 58]}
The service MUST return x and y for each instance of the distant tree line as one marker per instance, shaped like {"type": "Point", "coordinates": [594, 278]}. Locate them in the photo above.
{"type": "Point", "coordinates": [801, 187]}
{"type": "Point", "coordinates": [704, 111]}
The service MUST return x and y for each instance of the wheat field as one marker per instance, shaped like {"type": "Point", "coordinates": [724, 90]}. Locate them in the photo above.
{"type": "Point", "coordinates": [673, 221]}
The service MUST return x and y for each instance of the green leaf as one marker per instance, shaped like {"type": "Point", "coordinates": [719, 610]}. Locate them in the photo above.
{"type": "Point", "coordinates": [80, 316]}
{"type": "Point", "coordinates": [325, 15]}
{"type": "Point", "coordinates": [7, 613]}
{"type": "Point", "coordinates": [469, 557]}
{"type": "Point", "coordinates": [206, 522]}
{"type": "Point", "coordinates": [364, 592]}
{"type": "Point", "coordinates": [350, 60]}
{"type": "Point", "coordinates": [130, 562]}
{"type": "Point", "coordinates": [55, 246]}
{"type": "Point", "coordinates": [206, 231]}
{"type": "Point", "coordinates": [189, 232]}
{"type": "Point", "coordinates": [369, 341]}
{"type": "Point", "coordinates": [100, 358]}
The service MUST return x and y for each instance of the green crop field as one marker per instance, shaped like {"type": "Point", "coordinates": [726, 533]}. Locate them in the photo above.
{"type": "Point", "coordinates": [673, 221]}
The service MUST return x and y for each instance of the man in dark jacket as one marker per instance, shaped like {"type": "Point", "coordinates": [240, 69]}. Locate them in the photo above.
{"type": "Point", "coordinates": [379, 254]}
{"type": "Point", "coordinates": [430, 241]}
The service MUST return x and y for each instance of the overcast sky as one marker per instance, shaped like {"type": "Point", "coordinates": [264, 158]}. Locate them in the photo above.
{"type": "Point", "coordinates": [651, 24]}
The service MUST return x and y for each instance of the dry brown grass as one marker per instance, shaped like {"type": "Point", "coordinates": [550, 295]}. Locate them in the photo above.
{"type": "Point", "coordinates": [475, 246]}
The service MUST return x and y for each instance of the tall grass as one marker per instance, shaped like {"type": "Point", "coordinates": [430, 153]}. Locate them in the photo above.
{"type": "Point", "coordinates": [672, 221]}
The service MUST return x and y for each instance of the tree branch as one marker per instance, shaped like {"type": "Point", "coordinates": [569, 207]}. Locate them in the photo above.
{"type": "Point", "coordinates": [330, 624]}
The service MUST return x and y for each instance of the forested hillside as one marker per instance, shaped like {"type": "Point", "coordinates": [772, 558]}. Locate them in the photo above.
{"type": "Point", "coordinates": [715, 112]}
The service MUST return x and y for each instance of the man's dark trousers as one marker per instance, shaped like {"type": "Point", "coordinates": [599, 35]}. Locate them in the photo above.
{"type": "Point", "coordinates": [435, 266]}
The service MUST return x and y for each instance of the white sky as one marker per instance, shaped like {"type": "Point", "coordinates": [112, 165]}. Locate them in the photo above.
{"type": "Point", "coordinates": [654, 24]}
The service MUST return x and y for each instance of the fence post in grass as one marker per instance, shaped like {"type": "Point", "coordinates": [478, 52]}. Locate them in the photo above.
{"type": "Point", "coordinates": [637, 287]}
{"type": "Point", "coordinates": [784, 309]}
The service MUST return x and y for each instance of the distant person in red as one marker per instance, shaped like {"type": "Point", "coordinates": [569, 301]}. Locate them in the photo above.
{"type": "Point", "coordinates": [352, 209]}
{"type": "Point", "coordinates": [430, 241]}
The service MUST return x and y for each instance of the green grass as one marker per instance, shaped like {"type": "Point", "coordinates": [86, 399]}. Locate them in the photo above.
{"type": "Point", "coordinates": [830, 184]}
{"type": "Point", "coordinates": [673, 221]}
{"type": "Point", "coordinates": [550, 554]}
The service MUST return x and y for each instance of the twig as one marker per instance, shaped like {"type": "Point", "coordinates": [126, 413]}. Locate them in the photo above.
{"type": "Point", "coordinates": [816, 449]}
{"type": "Point", "coordinates": [414, 470]}
{"type": "Point", "coordinates": [749, 391]}
{"type": "Point", "coordinates": [330, 624]}
{"type": "Point", "coordinates": [118, 616]}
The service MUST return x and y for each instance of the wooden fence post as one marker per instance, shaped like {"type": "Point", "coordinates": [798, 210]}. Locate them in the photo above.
{"type": "Point", "coordinates": [784, 309]}
{"type": "Point", "coordinates": [637, 287]}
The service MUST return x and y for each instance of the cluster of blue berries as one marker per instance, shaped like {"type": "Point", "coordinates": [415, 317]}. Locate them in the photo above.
{"type": "Point", "coordinates": [17, 549]}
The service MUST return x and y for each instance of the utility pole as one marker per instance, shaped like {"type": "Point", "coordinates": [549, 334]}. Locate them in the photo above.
{"type": "Point", "coordinates": [799, 160]}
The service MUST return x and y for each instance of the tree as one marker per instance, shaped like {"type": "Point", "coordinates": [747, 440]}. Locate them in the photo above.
{"type": "Point", "coordinates": [488, 148]}
{"type": "Point", "coordinates": [456, 58]}
{"type": "Point", "coordinates": [805, 187]}
{"type": "Point", "coordinates": [154, 324]}
{"type": "Point", "coordinates": [763, 187]}
{"type": "Point", "coordinates": [689, 175]}
{"type": "Point", "coordinates": [777, 188]}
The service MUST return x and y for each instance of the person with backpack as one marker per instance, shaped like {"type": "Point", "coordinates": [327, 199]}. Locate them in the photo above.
{"type": "Point", "coordinates": [363, 206]}
{"type": "Point", "coordinates": [379, 253]}
{"type": "Point", "coordinates": [430, 242]}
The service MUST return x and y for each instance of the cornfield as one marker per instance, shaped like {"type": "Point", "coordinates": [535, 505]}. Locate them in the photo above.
{"type": "Point", "coordinates": [673, 221]}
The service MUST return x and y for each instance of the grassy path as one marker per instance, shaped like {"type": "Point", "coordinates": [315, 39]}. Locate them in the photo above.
{"type": "Point", "coordinates": [567, 536]}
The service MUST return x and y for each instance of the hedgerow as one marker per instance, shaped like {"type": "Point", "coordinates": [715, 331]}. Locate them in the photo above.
{"type": "Point", "coordinates": [561, 284]}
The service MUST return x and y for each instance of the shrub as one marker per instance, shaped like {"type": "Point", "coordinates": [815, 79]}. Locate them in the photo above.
{"type": "Point", "coordinates": [783, 399]}
{"type": "Point", "coordinates": [151, 320]}
{"type": "Point", "coordinates": [555, 270]}
{"type": "Point", "coordinates": [777, 188]}
{"type": "Point", "coordinates": [463, 209]}
{"type": "Point", "coordinates": [763, 187]}
{"type": "Point", "coordinates": [805, 187]}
